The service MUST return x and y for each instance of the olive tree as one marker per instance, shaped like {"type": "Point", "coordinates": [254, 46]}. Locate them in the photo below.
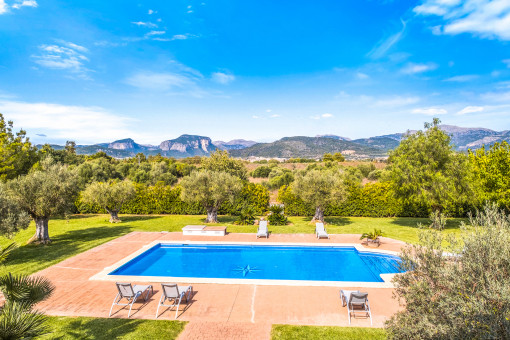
{"type": "Point", "coordinates": [210, 189]}
{"type": "Point", "coordinates": [44, 194]}
{"type": "Point", "coordinates": [319, 188]}
{"type": "Point", "coordinates": [109, 195]}
{"type": "Point", "coordinates": [221, 161]}
{"type": "Point", "coordinates": [456, 288]}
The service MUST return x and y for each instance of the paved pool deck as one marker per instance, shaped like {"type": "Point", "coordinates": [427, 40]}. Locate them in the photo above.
{"type": "Point", "coordinates": [227, 311]}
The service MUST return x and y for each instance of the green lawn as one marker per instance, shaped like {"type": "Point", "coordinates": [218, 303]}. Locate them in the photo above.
{"type": "Point", "coordinates": [286, 332]}
{"type": "Point", "coordinates": [100, 328]}
{"type": "Point", "coordinates": [82, 232]}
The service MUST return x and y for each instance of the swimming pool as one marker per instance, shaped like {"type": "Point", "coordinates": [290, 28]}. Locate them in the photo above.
{"type": "Point", "coordinates": [260, 262]}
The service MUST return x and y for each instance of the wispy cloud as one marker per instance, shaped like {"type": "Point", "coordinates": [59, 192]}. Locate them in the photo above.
{"type": "Point", "coordinates": [223, 78]}
{"type": "Point", "coordinates": [322, 116]}
{"type": "Point", "coordinates": [395, 102]}
{"type": "Point", "coordinates": [274, 116]}
{"type": "Point", "coordinates": [160, 81]}
{"type": "Point", "coordinates": [412, 68]}
{"type": "Point", "coordinates": [470, 109]}
{"type": "Point", "coordinates": [462, 78]}
{"type": "Point", "coordinates": [63, 56]}
{"type": "Point", "coordinates": [361, 75]}
{"type": "Point", "coordinates": [25, 3]}
{"type": "Point", "coordinates": [151, 11]}
{"type": "Point", "coordinates": [383, 46]}
{"type": "Point", "coordinates": [430, 111]}
{"type": "Point", "coordinates": [507, 62]}
{"type": "Point", "coordinates": [145, 24]}
{"type": "Point", "coordinates": [484, 18]}
{"type": "Point", "coordinates": [79, 123]}
{"type": "Point", "coordinates": [3, 7]}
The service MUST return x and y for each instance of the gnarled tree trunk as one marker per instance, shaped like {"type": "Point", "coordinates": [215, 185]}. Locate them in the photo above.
{"type": "Point", "coordinates": [319, 215]}
{"type": "Point", "coordinates": [212, 215]}
{"type": "Point", "coordinates": [114, 216]}
{"type": "Point", "coordinates": [41, 231]}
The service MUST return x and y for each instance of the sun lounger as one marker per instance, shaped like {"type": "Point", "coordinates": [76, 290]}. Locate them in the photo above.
{"type": "Point", "coordinates": [131, 294]}
{"type": "Point", "coordinates": [357, 303]}
{"type": "Point", "coordinates": [320, 231]}
{"type": "Point", "coordinates": [174, 294]}
{"type": "Point", "coordinates": [262, 230]}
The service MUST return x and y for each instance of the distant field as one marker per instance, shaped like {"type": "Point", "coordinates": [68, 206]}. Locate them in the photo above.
{"type": "Point", "coordinates": [83, 232]}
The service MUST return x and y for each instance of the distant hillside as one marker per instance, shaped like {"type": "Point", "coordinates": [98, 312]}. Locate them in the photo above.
{"type": "Point", "coordinates": [307, 147]}
{"type": "Point", "coordinates": [289, 147]}
{"type": "Point", "coordinates": [235, 144]}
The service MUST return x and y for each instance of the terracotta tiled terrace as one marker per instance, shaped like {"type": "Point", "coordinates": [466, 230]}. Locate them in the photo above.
{"type": "Point", "coordinates": [220, 310]}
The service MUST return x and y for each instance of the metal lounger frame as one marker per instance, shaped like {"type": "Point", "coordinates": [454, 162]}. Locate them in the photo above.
{"type": "Point", "coordinates": [175, 298]}
{"type": "Point", "coordinates": [131, 294]}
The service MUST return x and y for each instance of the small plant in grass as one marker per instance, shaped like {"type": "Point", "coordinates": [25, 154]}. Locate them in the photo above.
{"type": "Point", "coordinates": [246, 216]}
{"type": "Point", "coordinates": [276, 215]}
{"type": "Point", "coordinates": [372, 236]}
{"type": "Point", "coordinates": [438, 220]}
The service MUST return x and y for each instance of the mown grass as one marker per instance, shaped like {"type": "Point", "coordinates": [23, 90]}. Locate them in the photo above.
{"type": "Point", "coordinates": [82, 232]}
{"type": "Point", "coordinates": [70, 328]}
{"type": "Point", "coordinates": [287, 332]}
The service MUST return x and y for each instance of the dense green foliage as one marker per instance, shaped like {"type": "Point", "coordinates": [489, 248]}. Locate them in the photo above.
{"type": "Point", "coordinates": [457, 288]}
{"type": "Point", "coordinates": [320, 189]}
{"type": "Point", "coordinates": [210, 189]}
{"type": "Point", "coordinates": [425, 170]}
{"type": "Point", "coordinates": [276, 216]}
{"type": "Point", "coordinates": [492, 170]}
{"type": "Point", "coordinates": [220, 161]}
{"type": "Point", "coordinates": [17, 155]}
{"type": "Point", "coordinates": [110, 196]}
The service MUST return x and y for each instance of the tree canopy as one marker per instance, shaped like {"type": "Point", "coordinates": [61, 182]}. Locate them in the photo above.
{"type": "Point", "coordinates": [425, 169]}
{"type": "Point", "coordinates": [17, 155]}
{"type": "Point", "coordinates": [210, 189]}
{"type": "Point", "coordinates": [109, 195]}
{"type": "Point", "coordinates": [320, 188]}
{"type": "Point", "coordinates": [44, 194]}
{"type": "Point", "coordinates": [221, 161]}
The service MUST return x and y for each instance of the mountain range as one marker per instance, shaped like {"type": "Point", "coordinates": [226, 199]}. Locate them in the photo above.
{"type": "Point", "coordinates": [289, 147]}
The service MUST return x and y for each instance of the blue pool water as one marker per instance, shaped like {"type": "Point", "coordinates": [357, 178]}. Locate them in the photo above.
{"type": "Point", "coordinates": [261, 262]}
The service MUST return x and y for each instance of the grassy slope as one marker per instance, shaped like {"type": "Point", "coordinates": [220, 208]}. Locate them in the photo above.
{"type": "Point", "coordinates": [100, 328]}
{"type": "Point", "coordinates": [80, 233]}
{"type": "Point", "coordinates": [286, 332]}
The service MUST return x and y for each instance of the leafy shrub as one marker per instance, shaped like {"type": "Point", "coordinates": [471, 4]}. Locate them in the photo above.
{"type": "Point", "coordinates": [246, 216]}
{"type": "Point", "coordinates": [276, 216]}
{"type": "Point", "coordinates": [366, 169]}
{"type": "Point", "coordinates": [261, 172]}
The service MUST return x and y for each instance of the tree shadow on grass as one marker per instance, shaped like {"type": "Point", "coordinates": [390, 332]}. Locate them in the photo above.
{"type": "Point", "coordinates": [414, 222]}
{"type": "Point", "coordinates": [134, 218]}
{"type": "Point", "coordinates": [338, 220]}
{"type": "Point", "coordinates": [64, 245]}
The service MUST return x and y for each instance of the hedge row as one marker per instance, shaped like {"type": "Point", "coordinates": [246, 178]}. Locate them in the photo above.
{"type": "Point", "coordinates": [371, 200]}
{"type": "Point", "coordinates": [163, 199]}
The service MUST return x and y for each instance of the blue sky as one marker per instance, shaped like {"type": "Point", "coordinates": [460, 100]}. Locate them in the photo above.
{"type": "Point", "coordinates": [96, 71]}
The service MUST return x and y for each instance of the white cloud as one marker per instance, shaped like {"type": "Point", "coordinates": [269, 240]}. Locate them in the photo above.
{"type": "Point", "coordinates": [79, 123]}
{"type": "Point", "coordinates": [361, 75]}
{"type": "Point", "coordinates": [150, 12]}
{"type": "Point", "coordinates": [65, 56]}
{"type": "Point", "coordinates": [160, 81]}
{"type": "Point", "coordinates": [3, 7]}
{"type": "Point", "coordinates": [322, 116]}
{"type": "Point", "coordinates": [155, 33]}
{"type": "Point", "coordinates": [25, 3]}
{"type": "Point", "coordinates": [412, 68]}
{"type": "Point", "coordinates": [274, 116]}
{"type": "Point", "coordinates": [431, 111]}
{"type": "Point", "coordinates": [383, 46]}
{"type": "Point", "coordinates": [145, 24]}
{"type": "Point", "coordinates": [470, 109]}
{"type": "Point", "coordinates": [255, 117]}
{"type": "Point", "coordinates": [507, 62]}
{"type": "Point", "coordinates": [463, 78]}
{"type": "Point", "coordinates": [484, 18]}
{"type": "Point", "coordinates": [268, 110]}
{"type": "Point", "coordinates": [223, 78]}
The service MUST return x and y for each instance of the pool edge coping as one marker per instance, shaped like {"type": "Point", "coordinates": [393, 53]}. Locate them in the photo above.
{"type": "Point", "coordinates": [104, 274]}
